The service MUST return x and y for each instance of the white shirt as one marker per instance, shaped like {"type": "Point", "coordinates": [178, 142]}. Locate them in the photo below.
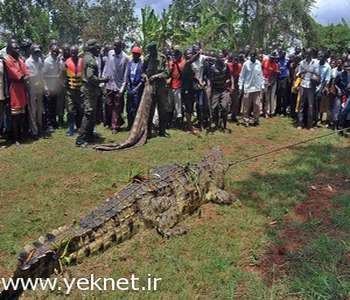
{"type": "Point", "coordinates": [198, 67]}
{"type": "Point", "coordinates": [309, 69]}
{"type": "Point", "coordinates": [251, 79]}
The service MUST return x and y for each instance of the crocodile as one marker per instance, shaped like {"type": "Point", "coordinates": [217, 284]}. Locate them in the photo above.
{"type": "Point", "coordinates": [139, 130]}
{"type": "Point", "coordinates": [160, 200]}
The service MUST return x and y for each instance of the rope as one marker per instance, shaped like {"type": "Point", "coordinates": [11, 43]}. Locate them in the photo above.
{"type": "Point", "coordinates": [285, 147]}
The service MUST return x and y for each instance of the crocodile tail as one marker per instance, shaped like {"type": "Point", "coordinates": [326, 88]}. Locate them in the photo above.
{"type": "Point", "coordinates": [139, 131]}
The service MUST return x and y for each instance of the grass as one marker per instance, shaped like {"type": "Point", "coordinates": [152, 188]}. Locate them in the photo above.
{"type": "Point", "coordinates": [50, 183]}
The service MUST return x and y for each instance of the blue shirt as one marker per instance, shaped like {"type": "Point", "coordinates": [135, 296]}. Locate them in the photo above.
{"type": "Point", "coordinates": [284, 67]}
{"type": "Point", "coordinates": [325, 76]}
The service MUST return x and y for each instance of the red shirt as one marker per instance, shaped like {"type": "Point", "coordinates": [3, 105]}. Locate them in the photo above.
{"type": "Point", "coordinates": [176, 68]}
{"type": "Point", "coordinates": [234, 68]}
{"type": "Point", "coordinates": [16, 70]}
{"type": "Point", "coordinates": [269, 68]}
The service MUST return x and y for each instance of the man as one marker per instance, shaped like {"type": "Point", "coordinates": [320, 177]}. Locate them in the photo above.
{"type": "Point", "coordinates": [342, 85]}
{"type": "Point", "coordinates": [91, 90]}
{"type": "Point", "coordinates": [221, 83]}
{"type": "Point", "coordinates": [134, 84]}
{"type": "Point", "coordinates": [154, 68]}
{"type": "Point", "coordinates": [25, 48]}
{"type": "Point", "coordinates": [116, 71]}
{"type": "Point", "coordinates": [17, 74]}
{"type": "Point", "coordinates": [188, 93]}
{"type": "Point", "coordinates": [199, 66]}
{"type": "Point", "coordinates": [283, 85]}
{"type": "Point", "coordinates": [322, 96]}
{"type": "Point", "coordinates": [335, 93]}
{"type": "Point", "coordinates": [101, 60]}
{"type": "Point", "coordinates": [74, 81]}
{"type": "Point", "coordinates": [251, 82]}
{"type": "Point", "coordinates": [52, 78]}
{"type": "Point", "coordinates": [176, 66]}
{"type": "Point", "coordinates": [247, 50]}
{"type": "Point", "coordinates": [61, 99]}
{"type": "Point", "coordinates": [271, 71]}
{"type": "Point", "coordinates": [36, 91]}
{"type": "Point", "coordinates": [295, 85]}
{"type": "Point", "coordinates": [235, 68]}
{"type": "Point", "coordinates": [3, 94]}
{"type": "Point", "coordinates": [309, 71]}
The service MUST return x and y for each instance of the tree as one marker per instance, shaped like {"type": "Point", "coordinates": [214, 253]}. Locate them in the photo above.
{"type": "Point", "coordinates": [24, 19]}
{"type": "Point", "coordinates": [109, 19]}
{"type": "Point", "coordinates": [150, 26]}
{"type": "Point", "coordinates": [333, 37]}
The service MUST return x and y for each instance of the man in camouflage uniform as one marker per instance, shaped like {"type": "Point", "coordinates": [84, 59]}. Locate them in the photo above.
{"type": "Point", "coordinates": [155, 68]}
{"type": "Point", "coordinates": [91, 90]}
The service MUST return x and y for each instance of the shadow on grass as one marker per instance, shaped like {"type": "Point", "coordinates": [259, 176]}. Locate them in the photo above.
{"type": "Point", "coordinates": [307, 204]}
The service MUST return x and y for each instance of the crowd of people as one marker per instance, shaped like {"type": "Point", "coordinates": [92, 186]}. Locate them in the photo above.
{"type": "Point", "coordinates": [81, 86]}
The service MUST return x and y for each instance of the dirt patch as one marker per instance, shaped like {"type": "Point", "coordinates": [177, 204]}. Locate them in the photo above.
{"type": "Point", "coordinates": [4, 273]}
{"type": "Point", "coordinates": [291, 235]}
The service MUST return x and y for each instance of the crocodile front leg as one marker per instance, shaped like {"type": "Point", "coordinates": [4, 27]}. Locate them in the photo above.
{"type": "Point", "coordinates": [168, 223]}
{"type": "Point", "coordinates": [220, 196]}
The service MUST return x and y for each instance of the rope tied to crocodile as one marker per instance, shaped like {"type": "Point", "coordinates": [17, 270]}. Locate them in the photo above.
{"type": "Point", "coordinates": [233, 163]}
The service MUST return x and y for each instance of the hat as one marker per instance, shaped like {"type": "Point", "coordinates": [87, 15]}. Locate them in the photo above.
{"type": "Point", "coordinates": [152, 45]}
{"type": "Point", "coordinates": [136, 50]}
{"type": "Point", "coordinates": [91, 43]}
{"type": "Point", "coordinates": [35, 48]}
{"type": "Point", "coordinates": [274, 54]}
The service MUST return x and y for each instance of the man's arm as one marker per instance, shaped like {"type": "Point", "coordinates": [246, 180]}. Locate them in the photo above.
{"type": "Point", "coordinates": [242, 77]}
{"type": "Point", "coordinates": [90, 74]}
{"type": "Point", "coordinates": [125, 75]}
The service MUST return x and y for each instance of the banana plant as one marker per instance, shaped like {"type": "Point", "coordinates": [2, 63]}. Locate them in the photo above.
{"type": "Point", "coordinates": [150, 26]}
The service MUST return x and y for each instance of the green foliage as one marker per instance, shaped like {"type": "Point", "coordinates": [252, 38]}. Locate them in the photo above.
{"type": "Point", "coordinates": [109, 19]}
{"type": "Point", "coordinates": [67, 20]}
{"type": "Point", "coordinates": [216, 24]}
{"type": "Point", "coordinates": [231, 23]}
{"type": "Point", "coordinates": [150, 25]}
{"type": "Point", "coordinates": [334, 37]}
{"type": "Point", "coordinates": [24, 19]}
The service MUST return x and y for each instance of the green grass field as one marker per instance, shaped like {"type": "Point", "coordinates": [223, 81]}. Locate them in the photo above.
{"type": "Point", "coordinates": [287, 237]}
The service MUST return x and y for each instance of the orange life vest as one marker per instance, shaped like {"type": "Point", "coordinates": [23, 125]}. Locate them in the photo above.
{"type": "Point", "coordinates": [74, 73]}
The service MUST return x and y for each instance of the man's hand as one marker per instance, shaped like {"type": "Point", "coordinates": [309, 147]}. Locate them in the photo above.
{"type": "Point", "coordinates": [153, 78]}
{"type": "Point", "coordinates": [104, 80]}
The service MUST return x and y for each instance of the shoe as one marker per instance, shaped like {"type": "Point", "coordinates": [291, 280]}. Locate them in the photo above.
{"type": "Point", "coordinates": [51, 129]}
{"type": "Point", "coordinates": [114, 131]}
{"type": "Point", "coordinates": [164, 134]}
{"type": "Point", "coordinates": [299, 127]}
{"type": "Point", "coordinates": [69, 133]}
{"type": "Point", "coordinates": [80, 141]}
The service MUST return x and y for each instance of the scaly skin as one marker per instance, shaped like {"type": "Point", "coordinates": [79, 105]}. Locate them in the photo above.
{"type": "Point", "coordinates": [161, 201]}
